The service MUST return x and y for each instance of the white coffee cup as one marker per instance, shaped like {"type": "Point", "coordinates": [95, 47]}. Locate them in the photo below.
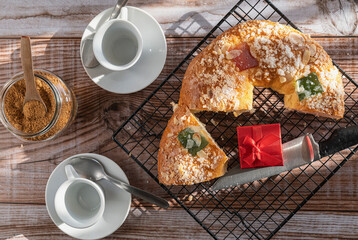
{"type": "Point", "coordinates": [118, 44]}
{"type": "Point", "coordinates": [79, 202]}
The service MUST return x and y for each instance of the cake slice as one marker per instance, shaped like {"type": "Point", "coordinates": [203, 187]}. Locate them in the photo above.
{"type": "Point", "coordinates": [187, 153]}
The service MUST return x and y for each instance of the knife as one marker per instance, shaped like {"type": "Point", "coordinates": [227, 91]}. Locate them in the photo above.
{"type": "Point", "coordinates": [296, 153]}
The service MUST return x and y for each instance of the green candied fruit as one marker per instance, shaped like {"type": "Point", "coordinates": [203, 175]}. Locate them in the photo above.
{"type": "Point", "coordinates": [308, 86]}
{"type": "Point", "coordinates": [192, 141]}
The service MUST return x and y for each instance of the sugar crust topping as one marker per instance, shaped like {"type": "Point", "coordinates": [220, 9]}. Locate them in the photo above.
{"type": "Point", "coordinates": [179, 163]}
{"type": "Point", "coordinates": [283, 54]}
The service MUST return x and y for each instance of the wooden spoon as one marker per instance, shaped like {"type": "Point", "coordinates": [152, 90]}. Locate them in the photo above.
{"type": "Point", "coordinates": [31, 94]}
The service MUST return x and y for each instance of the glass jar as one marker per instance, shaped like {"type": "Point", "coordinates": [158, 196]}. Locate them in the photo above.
{"type": "Point", "coordinates": [64, 107]}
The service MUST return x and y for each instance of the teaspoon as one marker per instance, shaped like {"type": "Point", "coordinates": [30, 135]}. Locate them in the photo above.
{"type": "Point", "coordinates": [92, 169]}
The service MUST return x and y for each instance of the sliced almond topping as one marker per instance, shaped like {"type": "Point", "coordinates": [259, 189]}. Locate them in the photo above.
{"type": "Point", "coordinates": [202, 154]}
{"type": "Point", "coordinates": [233, 54]}
{"type": "Point", "coordinates": [258, 73]}
{"type": "Point", "coordinates": [289, 76]}
{"type": "Point", "coordinates": [306, 57]}
{"type": "Point", "coordinates": [175, 106]}
{"type": "Point", "coordinates": [313, 49]}
{"type": "Point", "coordinates": [253, 52]}
{"type": "Point", "coordinates": [296, 38]}
{"type": "Point", "coordinates": [218, 50]}
{"type": "Point", "coordinates": [197, 139]}
{"type": "Point", "coordinates": [175, 121]}
{"type": "Point", "coordinates": [282, 79]}
{"type": "Point", "coordinates": [213, 122]}
{"type": "Point", "coordinates": [229, 56]}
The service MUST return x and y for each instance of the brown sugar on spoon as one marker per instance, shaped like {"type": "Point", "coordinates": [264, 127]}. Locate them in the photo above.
{"type": "Point", "coordinates": [31, 117]}
{"type": "Point", "coordinates": [34, 109]}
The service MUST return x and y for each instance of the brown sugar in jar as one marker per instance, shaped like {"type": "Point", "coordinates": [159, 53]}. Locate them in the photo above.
{"type": "Point", "coordinates": [31, 121]}
{"type": "Point", "coordinates": [27, 118]}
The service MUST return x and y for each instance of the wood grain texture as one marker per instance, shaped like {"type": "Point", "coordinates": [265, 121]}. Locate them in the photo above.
{"type": "Point", "coordinates": [58, 25]}
{"type": "Point", "coordinates": [30, 222]}
{"type": "Point", "coordinates": [25, 167]}
{"type": "Point", "coordinates": [100, 112]}
{"type": "Point", "coordinates": [64, 18]}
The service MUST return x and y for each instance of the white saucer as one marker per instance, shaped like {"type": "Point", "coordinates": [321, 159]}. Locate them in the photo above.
{"type": "Point", "coordinates": [148, 67]}
{"type": "Point", "coordinates": [117, 201]}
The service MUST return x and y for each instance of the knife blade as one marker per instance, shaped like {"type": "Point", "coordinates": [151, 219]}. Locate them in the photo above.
{"type": "Point", "coordinates": [296, 153]}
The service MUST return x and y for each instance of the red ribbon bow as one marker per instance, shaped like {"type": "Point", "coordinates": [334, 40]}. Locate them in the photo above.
{"type": "Point", "coordinates": [257, 153]}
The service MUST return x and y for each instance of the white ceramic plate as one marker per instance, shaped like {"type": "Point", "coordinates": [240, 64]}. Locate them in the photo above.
{"type": "Point", "coordinates": [148, 67]}
{"type": "Point", "coordinates": [117, 205]}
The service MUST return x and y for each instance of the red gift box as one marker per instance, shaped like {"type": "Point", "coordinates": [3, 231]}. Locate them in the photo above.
{"type": "Point", "coordinates": [260, 146]}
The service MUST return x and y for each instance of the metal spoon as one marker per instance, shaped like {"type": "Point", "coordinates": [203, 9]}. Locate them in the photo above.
{"type": "Point", "coordinates": [92, 169]}
{"type": "Point", "coordinates": [31, 93]}
{"type": "Point", "coordinates": [89, 60]}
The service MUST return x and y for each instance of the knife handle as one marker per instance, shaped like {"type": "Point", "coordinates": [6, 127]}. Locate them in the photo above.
{"type": "Point", "coordinates": [340, 139]}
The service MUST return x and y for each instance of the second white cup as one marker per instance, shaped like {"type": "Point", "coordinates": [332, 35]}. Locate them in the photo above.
{"type": "Point", "coordinates": [118, 44]}
{"type": "Point", "coordinates": [79, 202]}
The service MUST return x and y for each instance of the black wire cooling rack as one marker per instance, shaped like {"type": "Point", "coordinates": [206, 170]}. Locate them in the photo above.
{"type": "Point", "coordinates": [251, 211]}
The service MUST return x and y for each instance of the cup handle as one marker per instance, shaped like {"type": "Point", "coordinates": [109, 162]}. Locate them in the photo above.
{"type": "Point", "coordinates": [71, 172]}
{"type": "Point", "coordinates": [124, 14]}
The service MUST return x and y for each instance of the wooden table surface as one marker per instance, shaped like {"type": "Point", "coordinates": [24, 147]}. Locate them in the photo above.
{"type": "Point", "coordinates": [57, 26]}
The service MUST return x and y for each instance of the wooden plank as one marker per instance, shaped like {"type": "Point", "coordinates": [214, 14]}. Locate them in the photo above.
{"type": "Point", "coordinates": [178, 18]}
{"type": "Point", "coordinates": [320, 225]}
{"type": "Point", "coordinates": [32, 222]}
{"type": "Point", "coordinates": [25, 167]}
